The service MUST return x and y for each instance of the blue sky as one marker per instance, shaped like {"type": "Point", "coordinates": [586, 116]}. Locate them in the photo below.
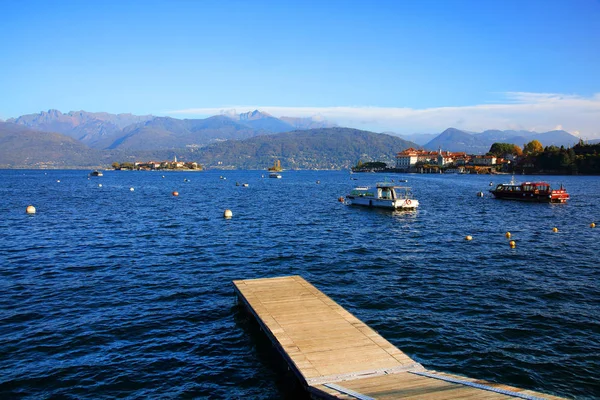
{"type": "Point", "coordinates": [401, 66]}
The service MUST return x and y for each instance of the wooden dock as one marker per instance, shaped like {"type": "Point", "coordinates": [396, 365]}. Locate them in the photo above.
{"type": "Point", "coordinates": [336, 356]}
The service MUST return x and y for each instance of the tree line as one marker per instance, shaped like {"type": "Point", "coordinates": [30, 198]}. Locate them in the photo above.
{"type": "Point", "coordinates": [535, 158]}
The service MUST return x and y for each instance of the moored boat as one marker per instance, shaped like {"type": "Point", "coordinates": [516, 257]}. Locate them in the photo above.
{"type": "Point", "coordinates": [384, 195]}
{"type": "Point", "coordinates": [537, 192]}
{"type": "Point", "coordinates": [274, 175]}
{"type": "Point", "coordinates": [96, 173]}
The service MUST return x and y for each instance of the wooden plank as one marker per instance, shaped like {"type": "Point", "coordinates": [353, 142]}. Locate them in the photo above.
{"type": "Point", "coordinates": [324, 343]}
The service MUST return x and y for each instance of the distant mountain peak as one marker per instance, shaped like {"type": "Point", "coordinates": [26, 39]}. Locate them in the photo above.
{"type": "Point", "coordinates": [253, 115]}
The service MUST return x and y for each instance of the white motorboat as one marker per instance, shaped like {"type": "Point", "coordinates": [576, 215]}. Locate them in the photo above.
{"type": "Point", "coordinates": [384, 195]}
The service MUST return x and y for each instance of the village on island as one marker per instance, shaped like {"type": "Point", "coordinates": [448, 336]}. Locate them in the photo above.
{"type": "Point", "coordinates": [158, 166]}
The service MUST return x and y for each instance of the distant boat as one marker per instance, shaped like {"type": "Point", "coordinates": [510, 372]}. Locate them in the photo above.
{"type": "Point", "coordinates": [274, 175]}
{"type": "Point", "coordinates": [97, 173]}
{"type": "Point", "coordinates": [537, 192]}
{"type": "Point", "coordinates": [276, 166]}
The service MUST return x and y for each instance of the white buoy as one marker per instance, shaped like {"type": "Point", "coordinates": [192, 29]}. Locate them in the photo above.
{"type": "Point", "coordinates": [58, 181]}
{"type": "Point", "coordinates": [30, 210]}
{"type": "Point", "coordinates": [131, 189]}
{"type": "Point", "coordinates": [227, 214]}
{"type": "Point", "coordinates": [99, 185]}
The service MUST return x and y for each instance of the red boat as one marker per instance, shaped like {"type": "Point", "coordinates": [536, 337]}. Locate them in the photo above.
{"type": "Point", "coordinates": [537, 192]}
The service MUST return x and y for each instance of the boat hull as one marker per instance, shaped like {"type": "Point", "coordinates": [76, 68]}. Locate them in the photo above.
{"type": "Point", "coordinates": [398, 204]}
{"type": "Point", "coordinates": [532, 197]}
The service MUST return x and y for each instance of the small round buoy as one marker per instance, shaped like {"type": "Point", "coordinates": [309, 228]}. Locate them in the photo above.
{"type": "Point", "coordinates": [99, 185]}
{"type": "Point", "coordinates": [508, 235]}
{"type": "Point", "coordinates": [227, 214]}
{"type": "Point", "coordinates": [555, 229]}
{"type": "Point", "coordinates": [512, 244]}
{"type": "Point", "coordinates": [163, 176]}
{"type": "Point", "coordinates": [30, 210]}
{"type": "Point", "coordinates": [592, 225]}
{"type": "Point", "coordinates": [318, 182]}
{"type": "Point", "coordinates": [341, 199]}
{"type": "Point", "coordinates": [480, 194]}
{"type": "Point", "coordinates": [175, 193]}
{"type": "Point", "coordinates": [468, 237]}
{"type": "Point", "coordinates": [58, 181]}
{"type": "Point", "coordinates": [131, 189]}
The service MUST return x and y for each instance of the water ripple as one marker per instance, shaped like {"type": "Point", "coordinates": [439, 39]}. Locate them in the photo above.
{"type": "Point", "coordinates": [111, 293]}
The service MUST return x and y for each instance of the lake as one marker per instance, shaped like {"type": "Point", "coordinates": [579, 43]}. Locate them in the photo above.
{"type": "Point", "coordinates": [108, 292]}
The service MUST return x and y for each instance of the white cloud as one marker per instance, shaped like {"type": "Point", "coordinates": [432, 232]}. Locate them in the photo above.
{"type": "Point", "coordinates": [520, 110]}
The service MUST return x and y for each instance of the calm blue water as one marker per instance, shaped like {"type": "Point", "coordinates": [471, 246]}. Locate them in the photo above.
{"type": "Point", "coordinates": [111, 293]}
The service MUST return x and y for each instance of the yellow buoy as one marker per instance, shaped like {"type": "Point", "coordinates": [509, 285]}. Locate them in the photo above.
{"type": "Point", "coordinates": [512, 244]}
{"type": "Point", "coordinates": [227, 214]}
{"type": "Point", "coordinates": [175, 193]}
{"type": "Point", "coordinates": [30, 210]}
{"type": "Point", "coordinates": [508, 235]}
{"type": "Point", "coordinates": [468, 237]}
{"type": "Point", "coordinates": [592, 225]}
{"type": "Point", "coordinates": [555, 229]}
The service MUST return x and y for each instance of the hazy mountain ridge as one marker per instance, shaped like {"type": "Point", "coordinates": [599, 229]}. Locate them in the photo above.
{"type": "Point", "coordinates": [88, 127]}
{"type": "Point", "coordinates": [170, 133]}
{"type": "Point", "coordinates": [127, 131]}
{"type": "Point", "coordinates": [453, 139]}
{"type": "Point", "coordinates": [314, 122]}
{"type": "Point", "coordinates": [262, 121]}
{"type": "Point", "coordinates": [22, 146]}
{"type": "Point", "coordinates": [323, 148]}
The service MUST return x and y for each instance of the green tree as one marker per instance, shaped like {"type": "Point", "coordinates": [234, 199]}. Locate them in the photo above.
{"type": "Point", "coordinates": [501, 149]}
{"type": "Point", "coordinates": [116, 165]}
{"type": "Point", "coordinates": [533, 147]}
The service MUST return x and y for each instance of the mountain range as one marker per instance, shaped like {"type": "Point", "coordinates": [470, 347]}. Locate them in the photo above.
{"type": "Point", "coordinates": [479, 143]}
{"type": "Point", "coordinates": [246, 140]}
{"type": "Point", "coordinates": [147, 132]}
